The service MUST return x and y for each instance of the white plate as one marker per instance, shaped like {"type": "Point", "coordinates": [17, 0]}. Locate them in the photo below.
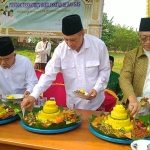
{"type": "Point", "coordinates": [81, 95]}
{"type": "Point", "coordinates": [144, 109]}
{"type": "Point", "coordinates": [139, 99]}
{"type": "Point", "coordinates": [16, 97]}
{"type": "Point", "coordinates": [140, 145]}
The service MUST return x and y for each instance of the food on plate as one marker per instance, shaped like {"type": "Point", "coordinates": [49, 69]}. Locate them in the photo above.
{"type": "Point", "coordinates": [82, 91]}
{"type": "Point", "coordinates": [10, 97]}
{"type": "Point", "coordinates": [2, 111]}
{"type": "Point", "coordinates": [118, 118]}
{"type": "Point", "coordinates": [140, 130]}
{"type": "Point", "coordinates": [6, 111]}
{"type": "Point", "coordinates": [144, 101]}
{"type": "Point", "coordinates": [70, 115]}
{"type": "Point", "coordinates": [30, 118]}
{"type": "Point", "coordinates": [118, 124]}
{"type": "Point", "coordinates": [50, 112]}
{"type": "Point", "coordinates": [82, 94]}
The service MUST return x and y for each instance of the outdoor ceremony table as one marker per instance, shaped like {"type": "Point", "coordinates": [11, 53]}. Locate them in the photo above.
{"type": "Point", "coordinates": [14, 137]}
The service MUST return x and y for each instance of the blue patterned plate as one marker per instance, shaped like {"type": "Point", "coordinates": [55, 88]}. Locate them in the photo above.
{"type": "Point", "coordinates": [140, 145]}
{"type": "Point", "coordinates": [110, 139]}
{"type": "Point", "coordinates": [49, 131]}
{"type": "Point", "coordinates": [7, 120]}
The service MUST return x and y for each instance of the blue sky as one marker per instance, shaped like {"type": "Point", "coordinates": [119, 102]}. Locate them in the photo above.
{"type": "Point", "coordinates": [125, 12]}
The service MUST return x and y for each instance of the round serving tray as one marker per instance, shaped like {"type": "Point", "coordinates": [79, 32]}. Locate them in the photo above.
{"type": "Point", "coordinates": [49, 131]}
{"type": "Point", "coordinates": [112, 139]}
{"type": "Point", "coordinates": [7, 120]}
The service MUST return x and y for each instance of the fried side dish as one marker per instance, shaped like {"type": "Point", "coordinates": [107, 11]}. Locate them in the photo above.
{"type": "Point", "coordinates": [99, 123]}
{"type": "Point", "coordinates": [7, 112]}
{"type": "Point", "coordinates": [140, 130]}
{"type": "Point", "coordinates": [70, 115]}
{"type": "Point", "coordinates": [30, 118]}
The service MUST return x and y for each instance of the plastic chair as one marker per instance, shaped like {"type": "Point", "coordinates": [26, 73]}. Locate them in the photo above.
{"type": "Point", "coordinates": [57, 89]}
{"type": "Point", "coordinates": [39, 73]}
{"type": "Point", "coordinates": [110, 101]}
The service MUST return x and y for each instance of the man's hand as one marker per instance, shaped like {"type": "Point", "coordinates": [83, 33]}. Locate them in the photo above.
{"type": "Point", "coordinates": [26, 94]}
{"type": "Point", "coordinates": [28, 103]}
{"type": "Point", "coordinates": [92, 94]}
{"type": "Point", "coordinates": [134, 106]}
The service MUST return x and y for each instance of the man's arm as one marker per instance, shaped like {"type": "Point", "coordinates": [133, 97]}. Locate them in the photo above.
{"type": "Point", "coordinates": [126, 76]}
{"type": "Point", "coordinates": [51, 70]}
{"type": "Point", "coordinates": [125, 80]}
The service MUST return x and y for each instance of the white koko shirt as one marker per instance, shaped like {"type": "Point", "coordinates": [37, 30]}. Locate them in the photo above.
{"type": "Point", "coordinates": [146, 88]}
{"type": "Point", "coordinates": [90, 68]}
{"type": "Point", "coordinates": [17, 79]}
{"type": "Point", "coordinates": [42, 51]}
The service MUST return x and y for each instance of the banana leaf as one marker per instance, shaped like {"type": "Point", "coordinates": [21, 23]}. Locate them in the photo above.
{"type": "Point", "coordinates": [145, 119]}
{"type": "Point", "coordinates": [90, 120]}
{"type": "Point", "coordinates": [52, 126]}
{"type": "Point", "coordinates": [11, 104]}
{"type": "Point", "coordinates": [38, 124]}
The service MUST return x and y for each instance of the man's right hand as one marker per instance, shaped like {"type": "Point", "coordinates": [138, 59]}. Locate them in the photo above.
{"type": "Point", "coordinates": [134, 105]}
{"type": "Point", "coordinates": [28, 103]}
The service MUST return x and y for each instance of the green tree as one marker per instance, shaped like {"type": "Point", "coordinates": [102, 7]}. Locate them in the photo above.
{"type": "Point", "coordinates": [124, 39]}
{"type": "Point", "coordinates": [118, 38]}
{"type": "Point", "coordinates": [107, 30]}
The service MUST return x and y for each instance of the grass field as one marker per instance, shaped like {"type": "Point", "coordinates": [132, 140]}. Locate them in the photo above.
{"type": "Point", "coordinates": [30, 54]}
{"type": "Point", "coordinates": [118, 61]}
{"type": "Point", "coordinates": [117, 65]}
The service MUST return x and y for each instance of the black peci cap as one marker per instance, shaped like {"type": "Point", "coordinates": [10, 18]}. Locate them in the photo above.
{"type": "Point", "coordinates": [144, 24]}
{"type": "Point", "coordinates": [6, 46]}
{"type": "Point", "coordinates": [71, 24]}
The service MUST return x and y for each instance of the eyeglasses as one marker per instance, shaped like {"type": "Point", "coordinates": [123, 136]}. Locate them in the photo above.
{"type": "Point", "coordinates": [144, 38]}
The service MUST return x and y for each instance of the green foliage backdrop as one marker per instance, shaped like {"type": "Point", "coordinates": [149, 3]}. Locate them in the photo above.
{"type": "Point", "coordinates": [118, 38]}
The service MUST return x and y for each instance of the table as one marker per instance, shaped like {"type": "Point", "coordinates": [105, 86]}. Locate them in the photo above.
{"type": "Point", "coordinates": [14, 137]}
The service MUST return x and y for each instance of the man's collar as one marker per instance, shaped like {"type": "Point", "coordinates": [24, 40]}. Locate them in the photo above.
{"type": "Point", "coordinates": [86, 42]}
{"type": "Point", "coordinates": [140, 51]}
